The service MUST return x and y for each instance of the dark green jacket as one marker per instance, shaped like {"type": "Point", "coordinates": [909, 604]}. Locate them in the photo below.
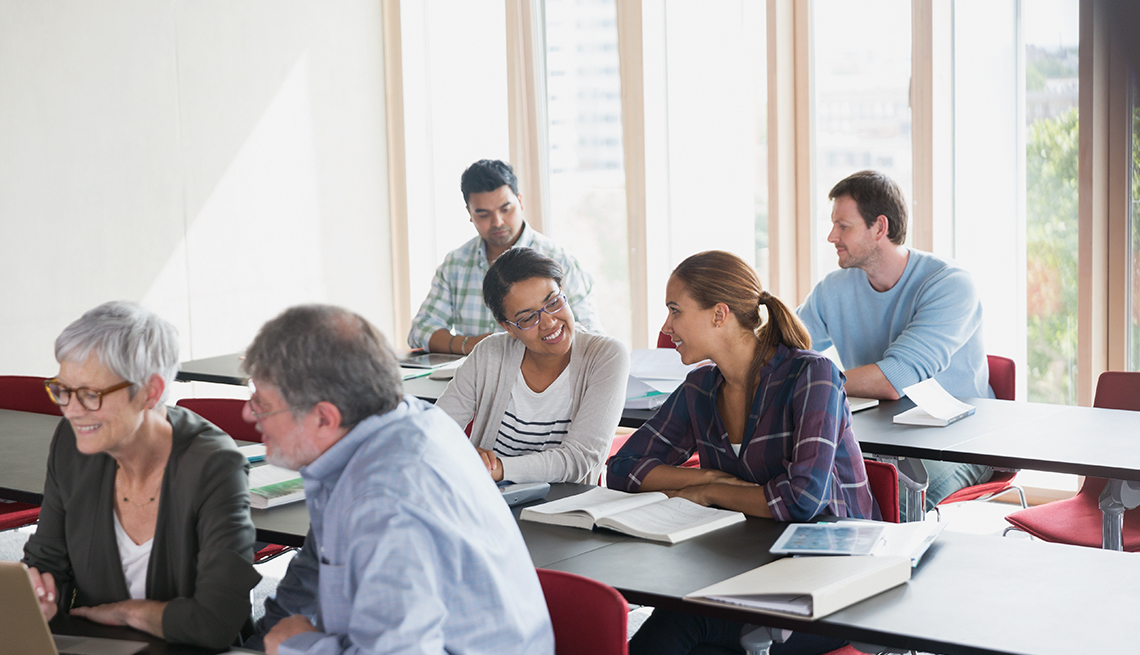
{"type": "Point", "coordinates": [201, 560]}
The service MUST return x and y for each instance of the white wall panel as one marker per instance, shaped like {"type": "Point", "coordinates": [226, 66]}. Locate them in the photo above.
{"type": "Point", "coordinates": [217, 161]}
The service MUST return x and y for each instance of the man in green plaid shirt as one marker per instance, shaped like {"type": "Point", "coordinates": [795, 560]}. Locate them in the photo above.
{"type": "Point", "coordinates": [453, 318]}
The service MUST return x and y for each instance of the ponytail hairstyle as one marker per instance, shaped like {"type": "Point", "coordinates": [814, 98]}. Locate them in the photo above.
{"type": "Point", "coordinates": [715, 276]}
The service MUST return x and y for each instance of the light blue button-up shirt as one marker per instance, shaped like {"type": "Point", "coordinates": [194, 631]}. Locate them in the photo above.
{"type": "Point", "coordinates": [410, 549]}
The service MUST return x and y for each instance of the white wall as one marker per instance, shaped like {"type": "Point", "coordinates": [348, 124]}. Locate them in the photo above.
{"type": "Point", "coordinates": [216, 161]}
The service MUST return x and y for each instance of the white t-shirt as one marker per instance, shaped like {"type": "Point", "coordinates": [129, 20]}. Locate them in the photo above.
{"type": "Point", "coordinates": [136, 559]}
{"type": "Point", "coordinates": [533, 421]}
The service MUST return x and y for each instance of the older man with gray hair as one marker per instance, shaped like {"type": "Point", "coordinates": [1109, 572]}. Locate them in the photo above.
{"type": "Point", "coordinates": [410, 548]}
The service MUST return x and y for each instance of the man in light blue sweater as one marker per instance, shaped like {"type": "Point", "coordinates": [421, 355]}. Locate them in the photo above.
{"type": "Point", "coordinates": [897, 316]}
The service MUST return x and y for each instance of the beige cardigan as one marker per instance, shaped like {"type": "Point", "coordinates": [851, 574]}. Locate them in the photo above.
{"type": "Point", "coordinates": [598, 370]}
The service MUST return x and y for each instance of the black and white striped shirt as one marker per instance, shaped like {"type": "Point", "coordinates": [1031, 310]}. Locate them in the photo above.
{"type": "Point", "coordinates": [533, 421]}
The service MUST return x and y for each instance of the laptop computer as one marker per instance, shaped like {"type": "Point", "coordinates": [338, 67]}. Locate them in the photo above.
{"type": "Point", "coordinates": [26, 632]}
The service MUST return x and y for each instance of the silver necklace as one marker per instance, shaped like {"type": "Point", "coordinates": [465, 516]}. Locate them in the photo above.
{"type": "Point", "coordinates": [119, 487]}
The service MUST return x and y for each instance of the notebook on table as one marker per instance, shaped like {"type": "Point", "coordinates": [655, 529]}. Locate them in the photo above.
{"type": "Point", "coordinates": [26, 632]}
{"type": "Point", "coordinates": [858, 404]}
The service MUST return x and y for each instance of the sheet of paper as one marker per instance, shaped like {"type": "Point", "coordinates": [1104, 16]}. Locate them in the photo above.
{"type": "Point", "coordinates": [653, 372]}
{"type": "Point", "coordinates": [598, 502]}
{"type": "Point", "coordinates": [669, 516]}
{"type": "Point", "coordinates": [259, 476]}
{"type": "Point", "coordinates": [657, 364]}
{"type": "Point", "coordinates": [934, 400]}
{"type": "Point", "coordinates": [410, 373]}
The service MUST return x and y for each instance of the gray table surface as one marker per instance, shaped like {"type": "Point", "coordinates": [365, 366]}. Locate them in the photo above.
{"type": "Point", "coordinates": [1054, 599]}
{"type": "Point", "coordinates": [1017, 435]}
{"type": "Point", "coordinates": [970, 594]}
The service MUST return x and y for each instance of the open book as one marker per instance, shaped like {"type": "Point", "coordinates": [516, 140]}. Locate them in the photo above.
{"type": "Point", "coordinates": [271, 485]}
{"type": "Point", "coordinates": [935, 406]}
{"type": "Point", "coordinates": [807, 587]}
{"type": "Point", "coordinates": [647, 515]}
{"type": "Point", "coordinates": [877, 538]}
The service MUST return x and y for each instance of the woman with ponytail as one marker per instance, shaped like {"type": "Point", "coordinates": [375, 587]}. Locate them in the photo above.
{"type": "Point", "coordinates": [769, 420]}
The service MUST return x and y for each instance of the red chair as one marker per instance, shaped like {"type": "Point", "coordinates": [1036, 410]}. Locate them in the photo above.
{"type": "Point", "coordinates": [16, 515]}
{"type": "Point", "coordinates": [589, 618]}
{"type": "Point", "coordinates": [1078, 520]}
{"type": "Point", "coordinates": [884, 480]}
{"type": "Point", "coordinates": [226, 414]}
{"type": "Point", "coordinates": [26, 394]}
{"type": "Point", "coordinates": [1003, 380]}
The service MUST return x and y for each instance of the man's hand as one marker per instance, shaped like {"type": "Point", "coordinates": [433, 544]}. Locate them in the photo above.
{"type": "Point", "coordinates": [491, 461]}
{"type": "Point", "coordinates": [443, 341]}
{"type": "Point", "coordinates": [286, 628]}
{"type": "Point", "coordinates": [44, 586]}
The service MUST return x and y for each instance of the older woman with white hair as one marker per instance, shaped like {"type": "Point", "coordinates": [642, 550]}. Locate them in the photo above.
{"type": "Point", "coordinates": [145, 519]}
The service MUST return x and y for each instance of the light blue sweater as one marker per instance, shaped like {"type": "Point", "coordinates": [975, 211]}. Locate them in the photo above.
{"type": "Point", "coordinates": [928, 325]}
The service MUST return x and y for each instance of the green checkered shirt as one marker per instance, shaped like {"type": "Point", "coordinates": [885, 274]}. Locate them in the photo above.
{"type": "Point", "coordinates": [455, 301]}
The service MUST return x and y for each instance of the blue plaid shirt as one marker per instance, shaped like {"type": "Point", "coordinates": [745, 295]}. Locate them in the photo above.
{"type": "Point", "coordinates": [411, 549]}
{"type": "Point", "coordinates": [797, 442]}
{"type": "Point", "coordinates": [455, 301]}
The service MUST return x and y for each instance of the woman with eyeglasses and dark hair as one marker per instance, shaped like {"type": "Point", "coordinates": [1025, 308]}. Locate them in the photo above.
{"type": "Point", "coordinates": [145, 518]}
{"type": "Point", "coordinates": [769, 419]}
{"type": "Point", "coordinates": [544, 398]}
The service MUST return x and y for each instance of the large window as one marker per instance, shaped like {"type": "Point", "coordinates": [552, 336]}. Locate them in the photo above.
{"type": "Point", "coordinates": [1051, 199]}
{"type": "Point", "coordinates": [861, 70]}
{"type": "Point", "coordinates": [706, 137]}
{"type": "Point", "coordinates": [587, 180]}
{"type": "Point", "coordinates": [455, 113]}
{"type": "Point", "coordinates": [1134, 236]}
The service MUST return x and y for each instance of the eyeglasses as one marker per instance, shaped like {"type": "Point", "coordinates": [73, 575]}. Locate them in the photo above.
{"type": "Point", "coordinates": [254, 404]}
{"type": "Point", "coordinates": [91, 399]}
{"type": "Point", "coordinates": [530, 320]}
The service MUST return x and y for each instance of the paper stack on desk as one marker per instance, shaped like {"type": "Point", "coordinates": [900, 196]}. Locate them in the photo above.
{"type": "Point", "coordinates": [654, 373]}
{"type": "Point", "coordinates": [935, 406]}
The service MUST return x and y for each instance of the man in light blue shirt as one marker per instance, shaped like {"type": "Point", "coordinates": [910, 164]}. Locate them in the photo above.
{"type": "Point", "coordinates": [410, 547]}
{"type": "Point", "coordinates": [453, 318]}
{"type": "Point", "coordinates": [897, 316]}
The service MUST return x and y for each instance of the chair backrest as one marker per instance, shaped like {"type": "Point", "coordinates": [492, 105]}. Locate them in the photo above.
{"type": "Point", "coordinates": [1003, 376]}
{"type": "Point", "coordinates": [1118, 390]}
{"type": "Point", "coordinates": [665, 341]}
{"type": "Point", "coordinates": [224, 413]}
{"type": "Point", "coordinates": [884, 481]}
{"type": "Point", "coordinates": [590, 618]}
{"type": "Point", "coordinates": [26, 394]}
